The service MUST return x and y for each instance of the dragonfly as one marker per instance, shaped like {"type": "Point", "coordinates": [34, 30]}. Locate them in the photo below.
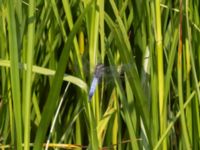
{"type": "Point", "coordinates": [100, 70]}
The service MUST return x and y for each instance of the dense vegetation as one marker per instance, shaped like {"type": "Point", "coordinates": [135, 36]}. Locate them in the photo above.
{"type": "Point", "coordinates": [153, 104]}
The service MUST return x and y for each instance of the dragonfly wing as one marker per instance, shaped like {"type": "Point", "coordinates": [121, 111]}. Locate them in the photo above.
{"type": "Point", "coordinates": [93, 87]}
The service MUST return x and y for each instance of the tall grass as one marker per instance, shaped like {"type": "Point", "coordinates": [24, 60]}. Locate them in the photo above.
{"type": "Point", "coordinates": [47, 46]}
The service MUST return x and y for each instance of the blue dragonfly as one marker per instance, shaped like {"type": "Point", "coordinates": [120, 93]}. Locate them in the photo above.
{"type": "Point", "coordinates": [101, 70]}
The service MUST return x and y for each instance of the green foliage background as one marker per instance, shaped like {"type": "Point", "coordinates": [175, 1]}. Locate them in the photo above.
{"type": "Point", "coordinates": [154, 106]}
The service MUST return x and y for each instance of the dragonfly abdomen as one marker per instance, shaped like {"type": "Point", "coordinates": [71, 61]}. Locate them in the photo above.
{"type": "Point", "coordinates": [93, 87]}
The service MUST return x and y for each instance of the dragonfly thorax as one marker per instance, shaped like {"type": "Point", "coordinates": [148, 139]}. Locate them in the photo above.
{"type": "Point", "coordinates": [99, 71]}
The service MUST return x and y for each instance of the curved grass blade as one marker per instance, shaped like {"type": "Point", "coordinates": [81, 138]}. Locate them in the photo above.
{"type": "Point", "coordinates": [56, 116]}
{"type": "Point", "coordinates": [49, 72]}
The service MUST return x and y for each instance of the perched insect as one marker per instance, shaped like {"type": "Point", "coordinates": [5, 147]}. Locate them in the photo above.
{"type": "Point", "coordinates": [99, 71]}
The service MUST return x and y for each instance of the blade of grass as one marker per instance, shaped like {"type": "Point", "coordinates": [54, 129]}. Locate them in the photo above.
{"type": "Point", "coordinates": [14, 73]}
{"type": "Point", "coordinates": [180, 86]}
{"type": "Point", "coordinates": [49, 72]}
{"type": "Point", "coordinates": [159, 50]}
{"type": "Point", "coordinates": [69, 17]}
{"type": "Point", "coordinates": [50, 105]}
{"type": "Point", "coordinates": [56, 116]}
{"type": "Point", "coordinates": [28, 78]}
{"type": "Point", "coordinates": [135, 84]}
{"type": "Point", "coordinates": [55, 10]}
{"type": "Point", "coordinates": [103, 123]}
{"type": "Point", "coordinates": [194, 73]}
{"type": "Point", "coordinates": [131, 129]}
{"type": "Point", "coordinates": [171, 124]}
